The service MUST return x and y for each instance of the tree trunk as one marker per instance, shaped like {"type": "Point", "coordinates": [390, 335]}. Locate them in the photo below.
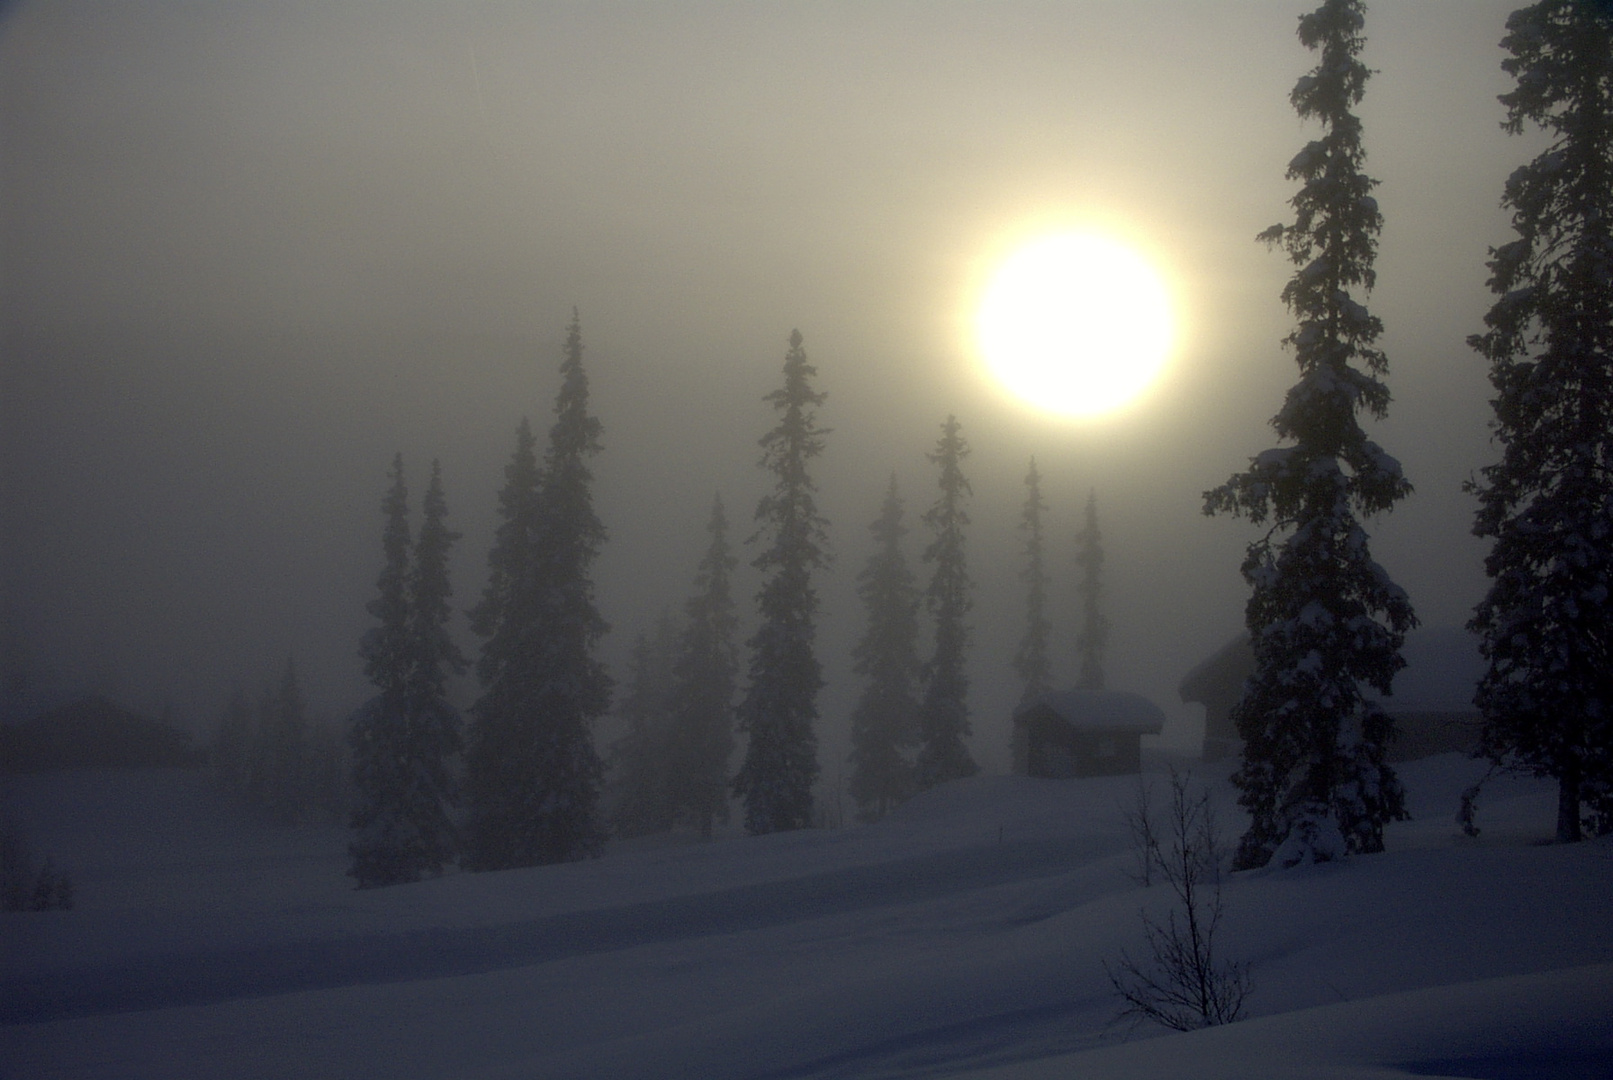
{"type": "Point", "coordinates": [1568, 806]}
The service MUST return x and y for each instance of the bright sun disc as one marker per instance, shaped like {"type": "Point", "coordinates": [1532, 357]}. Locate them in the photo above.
{"type": "Point", "coordinates": [1075, 323]}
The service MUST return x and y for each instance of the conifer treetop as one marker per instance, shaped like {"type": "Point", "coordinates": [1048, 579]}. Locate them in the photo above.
{"type": "Point", "coordinates": [386, 648]}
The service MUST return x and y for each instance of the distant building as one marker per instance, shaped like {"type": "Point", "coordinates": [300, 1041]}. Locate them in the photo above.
{"type": "Point", "coordinates": [1084, 733]}
{"type": "Point", "coordinates": [1432, 704]}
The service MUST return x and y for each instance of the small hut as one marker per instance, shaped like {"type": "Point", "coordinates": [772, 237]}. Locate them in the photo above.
{"type": "Point", "coordinates": [1084, 733]}
{"type": "Point", "coordinates": [1217, 684]}
{"type": "Point", "coordinates": [1432, 704]}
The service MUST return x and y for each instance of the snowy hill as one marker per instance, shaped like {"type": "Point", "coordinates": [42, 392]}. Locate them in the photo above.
{"type": "Point", "coordinates": [967, 934]}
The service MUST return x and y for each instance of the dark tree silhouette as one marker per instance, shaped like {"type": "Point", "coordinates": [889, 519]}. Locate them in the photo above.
{"type": "Point", "coordinates": [401, 739]}
{"type": "Point", "coordinates": [884, 725]}
{"type": "Point", "coordinates": [1325, 620]}
{"type": "Point", "coordinates": [532, 773]}
{"type": "Point", "coordinates": [1093, 639]}
{"type": "Point", "coordinates": [779, 709]}
{"type": "Point", "coordinates": [1031, 662]}
{"type": "Point", "coordinates": [1547, 693]}
{"type": "Point", "coordinates": [704, 680]}
{"type": "Point", "coordinates": [944, 711]}
{"type": "Point", "coordinates": [379, 732]}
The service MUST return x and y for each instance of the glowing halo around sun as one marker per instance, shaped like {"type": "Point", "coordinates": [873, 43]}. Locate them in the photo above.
{"type": "Point", "coordinates": [1075, 323]}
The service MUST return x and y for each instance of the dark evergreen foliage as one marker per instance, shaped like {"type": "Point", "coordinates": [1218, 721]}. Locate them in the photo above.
{"type": "Point", "coordinates": [1093, 639]}
{"type": "Point", "coordinates": [1031, 661]}
{"type": "Point", "coordinates": [779, 708]}
{"type": "Point", "coordinates": [704, 681]}
{"type": "Point", "coordinates": [1547, 693]}
{"type": "Point", "coordinates": [434, 724]}
{"type": "Point", "coordinates": [402, 739]}
{"type": "Point", "coordinates": [1325, 620]}
{"type": "Point", "coordinates": [532, 773]}
{"type": "Point", "coordinates": [884, 725]}
{"type": "Point", "coordinates": [944, 710]}
{"type": "Point", "coordinates": [640, 761]}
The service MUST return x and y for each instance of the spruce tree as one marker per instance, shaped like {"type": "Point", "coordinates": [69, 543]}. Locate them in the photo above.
{"type": "Point", "coordinates": [1093, 638]}
{"type": "Point", "coordinates": [532, 773]}
{"type": "Point", "coordinates": [641, 760]}
{"type": "Point", "coordinates": [1547, 692]}
{"type": "Point", "coordinates": [378, 734]}
{"type": "Point", "coordinates": [1325, 621]}
{"type": "Point", "coordinates": [703, 685]}
{"type": "Point", "coordinates": [944, 710]}
{"type": "Point", "coordinates": [1031, 662]}
{"type": "Point", "coordinates": [401, 739]}
{"type": "Point", "coordinates": [434, 724]}
{"type": "Point", "coordinates": [779, 708]}
{"type": "Point", "coordinates": [884, 725]}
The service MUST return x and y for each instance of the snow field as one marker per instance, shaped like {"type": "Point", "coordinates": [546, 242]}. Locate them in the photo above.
{"type": "Point", "coordinates": [966, 932]}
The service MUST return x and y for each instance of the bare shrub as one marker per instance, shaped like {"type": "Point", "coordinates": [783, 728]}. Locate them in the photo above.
{"type": "Point", "coordinates": [1144, 830]}
{"type": "Point", "coordinates": [1182, 985]}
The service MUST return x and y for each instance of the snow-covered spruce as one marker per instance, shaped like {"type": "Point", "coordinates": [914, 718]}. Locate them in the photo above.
{"type": "Point", "coordinates": [1325, 620]}
{"type": "Point", "coordinates": [779, 709]}
{"type": "Point", "coordinates": [944, 710]}
{"type": "Point", "coordinates": [1547, 504]}
{"type": "Point", "coordinates": [532, 773]}
{"type": "Point", "coordinates": [884, 725]}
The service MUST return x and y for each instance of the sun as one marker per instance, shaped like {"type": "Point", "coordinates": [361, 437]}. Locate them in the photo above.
{"type": "Point", "coordinates": [1075, 323]}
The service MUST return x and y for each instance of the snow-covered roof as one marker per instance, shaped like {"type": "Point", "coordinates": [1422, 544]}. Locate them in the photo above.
{"type": "Point", "coordinates": [1100, 710]}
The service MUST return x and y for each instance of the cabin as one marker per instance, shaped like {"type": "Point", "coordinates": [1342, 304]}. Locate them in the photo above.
{"type": "Point", "coordinates": [1068, 733]}
{"type": "Point", "coordinates": [1217, 684]}
{"type": "Point", "coordinates": [1432, 703]}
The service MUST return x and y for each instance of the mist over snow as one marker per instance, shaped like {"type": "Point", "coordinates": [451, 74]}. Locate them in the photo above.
{"type": "Point", "coordinates": [965, 935]}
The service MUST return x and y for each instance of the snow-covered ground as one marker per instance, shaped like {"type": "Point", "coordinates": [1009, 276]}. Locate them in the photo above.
{"type": "Point", "coordinates": [966, 935]}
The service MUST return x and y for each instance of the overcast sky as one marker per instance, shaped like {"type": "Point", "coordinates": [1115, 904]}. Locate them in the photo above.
{"type": "Point", "coordinates": [251, 249]}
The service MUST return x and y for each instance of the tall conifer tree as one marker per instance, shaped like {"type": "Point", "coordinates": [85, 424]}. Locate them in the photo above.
{"type": "Point", "coordinates": [704, 681]}
{"type": "Point", "coordinates": [884, 725]}
{"type": "Point", "coordinates": [378, 735]}
{"type": "Point", "coordinates": [434, 724]}
{"type": "Point", "coordinates": [779, 709]}
{"type": "Point", "coordinates": [532, 773]}
{"type": "Point", "coordinates": [1547, 693]}
{"type": "Point", "coordinates": [1325, 621]}
{"type": "Point", "coordinates": [944, 711]}
{"type": "Point", "coordinates": [1031, 662]}
{"type": "Point", "coordinates": [1093, 638]}
{"type": "Point", "coordinates": [402, 739]}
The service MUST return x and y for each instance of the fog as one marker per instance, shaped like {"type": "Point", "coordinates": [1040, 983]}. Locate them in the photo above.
{"type": "Point", "coordinates": [250, 250]}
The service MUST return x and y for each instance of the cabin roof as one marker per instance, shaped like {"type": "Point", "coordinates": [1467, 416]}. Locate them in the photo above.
{"type": "Point", "coordinates": [1098, 711]}
{"type": "Point", "coordinates": [1221, 674]}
